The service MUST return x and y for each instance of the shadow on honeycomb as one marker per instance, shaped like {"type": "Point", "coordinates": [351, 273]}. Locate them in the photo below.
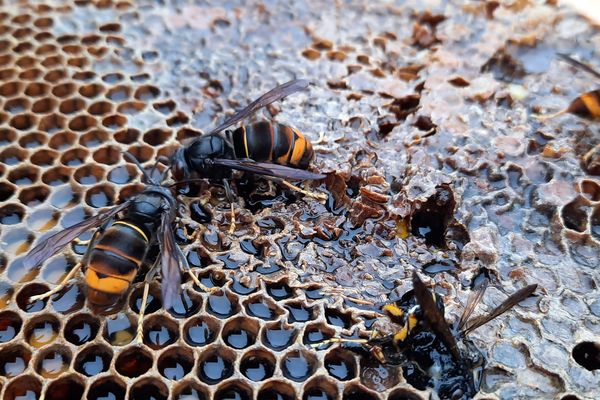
{"type": "Point", "coordinates": [420, 120]}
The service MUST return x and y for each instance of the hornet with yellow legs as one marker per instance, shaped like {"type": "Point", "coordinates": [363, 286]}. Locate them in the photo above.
{"type": "Point", "coordinates": [119, 246]}
{"type": "Point", "coordinates": [430, 351]}
{"type": "Point", "coordinates": [275, 151]}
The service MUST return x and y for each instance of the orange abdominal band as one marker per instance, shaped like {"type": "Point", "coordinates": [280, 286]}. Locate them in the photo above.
{"type": "Point", "coordinates": [299, 147]}
{"type": "Point", "coordinates": [591, 102]}
{"type": "Point", "coordinates": [107, 283]}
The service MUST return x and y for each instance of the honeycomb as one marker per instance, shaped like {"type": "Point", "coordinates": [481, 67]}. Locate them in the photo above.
{"type": "Point", "coordinates": [408, 98]}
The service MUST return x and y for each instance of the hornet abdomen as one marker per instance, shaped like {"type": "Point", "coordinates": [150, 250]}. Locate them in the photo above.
{"type": "Point", "coordinates": [114, 262]}
{"type": "Point", "coordinates": [272, 142]}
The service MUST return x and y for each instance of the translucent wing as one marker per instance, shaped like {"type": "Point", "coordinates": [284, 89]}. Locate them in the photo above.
{"type": "Point", "coordinates": [506, 305]}
{"type": "Point", "coordinates": [56, 242]}
{"type": "Point", "coordinates": [579, 64]}
{"type": "Point", "coordinates": [271, 96]}
{"type": "Point", "coordinates": [268, 169]}
{"type": "Point", "coordinates": [474, 299]}
{"type": "Point", "coordinates": [170, 259]}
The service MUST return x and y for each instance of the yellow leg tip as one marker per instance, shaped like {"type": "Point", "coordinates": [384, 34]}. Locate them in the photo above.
{"type": "Point", "coordinates": [42, 296]}
{"type": "Point", "coordinates": [201, 285]}
{"type": "Point", "coordinates": [543, 117]}
{"type": "Point", "coordinates": [314, 195]}
{"type": "Point", "coordinates": [232, 220]}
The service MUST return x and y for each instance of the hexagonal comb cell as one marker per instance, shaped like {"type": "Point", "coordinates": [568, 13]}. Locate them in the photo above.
{"type": "Point", "coordinates": [175, 363]}
{"type": "Point", "coordinates": [278, 335]}
{"type": "Point", "coordinates": [355, 392]}
{"type": "Point", "coordinates": [43, 219]}
{"type": "Point", "coordinates": [52, 362]}
{"type": "Point", "coordinates": [338, 318]}
{"type": "Point", "coordinates": [108, 155]}
{"type": "Point", "coordinates": [10, 325]}
{"type": "Point", "coordinates": [89, 174]}
{"type": "Point", "coordinates": [317, 332]}
{"type": "Point", "coordinates": [153, 302]}
{"type": "Point", "coordinates": [14, 360]}
{"type": "Point", "coordinates": [56, 176]}
{"type": "Point", "coordinates": [242, 286]}
{"type": "Point", "coordinates": [131, 107]}
{"type": "Point", "coordinates": [263, 308]}
{"type": "Point", "coordinates": [32, 140]}
{"type": "Point", "coordinates": [93, 138]}
{"type": "Point", "coordinates": [35, 195]}
{"type": "Point", "coordinates": [298, 365]}
{"type": "Point", "coordinates": [200, 331]}
{"type": "Point", "coordinates": [147, 93]}
{"type": "Point", "coordinates": [133, 362]}
{"type": "Point", "coordinates": [6, 294]}
{"type": "Point", "coordinates": [66, 387]}
{"type": "Point", "coordinates": [299, 312]}
{"type": "Point", "coordinates": [240, 332]}
{"type": "Point", "coordinates": [279, 290]}
{"type": "Point", "coordinates": [159, 332]}
{"type": "Point", "coordinates": [190, 390]}
{"type": "Point", "coordinates": [42, 330]}
{"type": "Point", "coordinates": [24, 176]}
{"type": "Point", "coordinates": [123, 174]}
{"type": "Point", "coordinates": [212, 279]}
{"type": "Point", "coordinates": [24, 387]}
{"type": "Point", "coordinates": [71, 105]}
{"type": "Point", "coordinates": [187, 304]}
{"type": "Point", "coordinates": [107, 388]}
{"type": "Point", "coordinates": [590, 189]}
{"type": "Point", "coordinates": [93, 360]}
{"type": "Point", "coordinates": [74, 157]}
{"type": "Point", "coordinates": [216, 364]}
{"type": "Point", "coordinates": [341, 364]}
{"type": "Point", "coordinates": [24, 295]}
{"type": "Point", "coordinates": [119, 330]}
{"type": "Point", "coordinates": [236, 389]}
{"type": "Point", "coordinates": [258, 365]}
{"type": "Point", "coordinates": [149, 388]}
{"type": "Point", "coordinates": [81, 329]}
{"type": "Point", "coordinates": [69, 300]}
{"type": "Point", "coordinates": [62, 141]}
{"type": "Point", "coordinates": [44, 158]}
{"type": "Point", "coordinates": [222, 304]}
{"type": "Point", "coordinates": [277, 390]}
{"type": "Point", "coordinates": [320, 388]}
{"type": "Point", "coordinates": [11, 214]}
{"type": "Point", "coordinates": [7, 190]}
{"type": "Point", "coordinates": [57, 268]}
{"type": "Point", "coordinates": [82, 123]}
{"type": "Point", "coordinates": [575, 214]}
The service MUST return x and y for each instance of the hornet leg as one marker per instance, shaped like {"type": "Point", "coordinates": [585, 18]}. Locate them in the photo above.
{"type": "Point", "coordinates": [59, 287]}
{"type": "Point", "coordinates": [186, 268]}
{"type": "Point", "coordinates": [316, 196]}
{"type": "Point", "coordinates": [230, 198]}
{"type": "Point", "coordinates": [338, 340]}
{"type": "Point", "coordinates": [200, 284]}
{"type": "Point", "coordinates": [139, 337]}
